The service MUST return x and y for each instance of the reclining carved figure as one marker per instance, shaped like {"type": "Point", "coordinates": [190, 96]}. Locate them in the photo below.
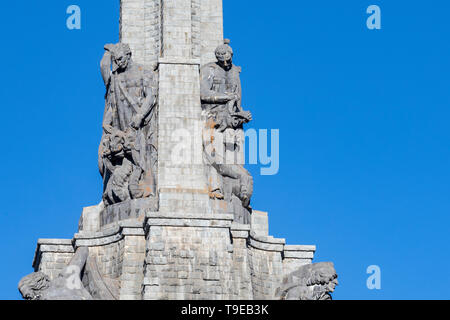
{"type": "Point", "coordinates": [66, 286]}
{"type": "Point", "coordinates": [310, 282]}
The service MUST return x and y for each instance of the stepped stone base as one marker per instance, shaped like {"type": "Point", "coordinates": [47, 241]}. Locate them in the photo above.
{"type": "Point", "coordinates": [176, 256]}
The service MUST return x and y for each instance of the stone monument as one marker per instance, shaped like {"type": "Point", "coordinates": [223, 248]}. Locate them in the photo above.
{"type": "Point", "coordinates": [175, 220]}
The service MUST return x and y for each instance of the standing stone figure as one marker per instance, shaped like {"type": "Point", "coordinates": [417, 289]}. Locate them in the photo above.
{"type": "Point", "coordinates": [128, 151]}
{"type": "Point", "coordinates": [223, 136]}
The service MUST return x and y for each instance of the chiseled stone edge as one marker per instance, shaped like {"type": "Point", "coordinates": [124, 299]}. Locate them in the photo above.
{"type": "Point", "coordinates": [189, 220]}
{"type": "Point", "coordinates": [289, 247]}
{"type": "Point", "coordinates": [266, 243]}
{"type": "Point", "coordinates": [299, 251]}
{"type": "Point", "coordinates": [51, 245]}
{"type": "Point", "coordinates": [95, 242]}
{"type": "Point", "coordinates": [132, 227]}
{"type": "Point", "coordinates": [113, 234]}
{"type": "Point", "coordinates": [240, 231]}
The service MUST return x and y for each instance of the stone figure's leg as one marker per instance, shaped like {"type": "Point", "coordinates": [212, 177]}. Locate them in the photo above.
{"type": "Point", "coordinates": [215, 182]}
{"type": "Point", "coordinates": [136, 190]}
{"type": "Point", "coordinates": [120, 180]}
{"type": "Point", "coordinates": [212, 156]}
{"type": "Point", "coordinates": [243, 188]}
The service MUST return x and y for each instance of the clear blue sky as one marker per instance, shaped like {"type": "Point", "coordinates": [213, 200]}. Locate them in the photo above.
{"type": "Point", "coordinates": [363, 118]}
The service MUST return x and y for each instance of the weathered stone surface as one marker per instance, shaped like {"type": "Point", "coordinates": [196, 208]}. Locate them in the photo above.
{"type": "Point", "coordinates": [260, 223]}
{"type": "Point", "coordinates": [175, 221]}
{"type": "Point", "coordinates": [66, 286]}
{"type": "Point", "coordinates": [223, 133]}
{"type": "Point", "coordinates": [128, 150]}
{"type": "Point", "coordinates": [90, 218]}
{"type": "Point", "coordinates": [310, 282]}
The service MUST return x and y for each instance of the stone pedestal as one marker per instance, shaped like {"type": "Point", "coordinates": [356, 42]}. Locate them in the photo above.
{"type": "Point", "coordinates": [177, 256]}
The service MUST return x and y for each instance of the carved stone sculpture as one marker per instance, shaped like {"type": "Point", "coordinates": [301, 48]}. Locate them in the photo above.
{"type": "Point", "coordinates": [66, 286]}
{"type": "Point", "coordinates": [223, 135]}
{"type": "Point", "coordinates": [128, 151]}
{"type": "Point", "coordinates": [169, 230]}
{"type": "Point", "coordinates": [310, 282]}
{"type": "Point", "coordinates": [34, 285]}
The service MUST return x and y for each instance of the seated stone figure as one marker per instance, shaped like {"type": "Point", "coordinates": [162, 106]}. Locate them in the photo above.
{"type": "Point", "coordinates": [310, 282]}
{"type": "Point", "coordinates": [221, 103]}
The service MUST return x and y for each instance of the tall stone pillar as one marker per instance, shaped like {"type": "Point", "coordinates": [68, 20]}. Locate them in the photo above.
{"type": "Point", "coordinates": [140, 27]}
{"type": "Point", "coordinates": [177, 37]}
{"type": "Point", "coordinates": [198, 28]}
{"type": "Point", "coordinates": [182, 182]}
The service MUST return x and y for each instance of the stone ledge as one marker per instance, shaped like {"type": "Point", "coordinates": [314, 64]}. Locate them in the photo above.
{"type": "Point", "coordinates": [240, 227]}
{"type": "Point", "coordinates": [300, 248]}
{"type": "Point", "coordinates": [196, 216]}
{"type": "Point", "coordinates": [239, 234]}
{"type": "Point", "coordinates": [188, 223]}
{"type": "Point", "coordinates": [55, 241]}
{"type": "Point", "coordinates": [266, 243]}
{"type": "Point", "coordinates": [240, 231]}
{"type": "Point", "coordinates": [98, 241]}
{"type": "Point", "coordinates": [133, 231]}
{"type": "Point", "coordinates": [299, 254]}
{"type": "Point", "coordinates": [136, 224]}
{"type": "Point", "coordinates": [267, 239]}
{"type": "Point", "coordinates": [51, 245]}
{"type": "Point", "coordinates": [171, 219]}
{"type": "Point", "coordinates": [110, 235]}
{"type": "Point", "coordinates": [113, 230]}
{"type": "Point", "coordinates": [265, 246]}
{"type": "Point", "coordinates": [132, 228]}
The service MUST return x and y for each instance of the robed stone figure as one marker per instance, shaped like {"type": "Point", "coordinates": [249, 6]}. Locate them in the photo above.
{"type": "Point", "coordinates": [128, 150]}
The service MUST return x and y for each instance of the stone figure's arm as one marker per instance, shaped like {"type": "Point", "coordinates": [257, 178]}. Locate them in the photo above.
{"type": "Point", "coordinates": [105, 65]}
{"type": "Point", "coordinates": [242, 116]}
{"type": "Point", "coordinates": [108, 164]}
{"type": "Point", "coordinates": [147, 106]}
{"type": "Point", "coordinates": [239, 92]}
{"type": "Point", "coordinates": [79, 258]}
{"type": "Point", "coordinates": [207, 94]}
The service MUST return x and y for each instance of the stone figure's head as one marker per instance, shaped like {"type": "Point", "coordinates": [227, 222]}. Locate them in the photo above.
{"type": "Point", "coordinates": [224, 55]}
{"type": "Point", "coordinates": [323, 280]}
{"type": "Point", "coordinates": [310, 282]}
{"type": "Point", "coordinates": [121, 56]}
{"type": "Point", "coordinates": [32, 286]}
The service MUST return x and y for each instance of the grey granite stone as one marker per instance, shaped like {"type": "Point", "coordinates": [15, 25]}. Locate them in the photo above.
{"type": "Point", "coordinates": [168, 229]}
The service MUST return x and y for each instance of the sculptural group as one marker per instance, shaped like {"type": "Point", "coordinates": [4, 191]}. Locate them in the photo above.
{"type": "Point", "coordinates": [128, 150]}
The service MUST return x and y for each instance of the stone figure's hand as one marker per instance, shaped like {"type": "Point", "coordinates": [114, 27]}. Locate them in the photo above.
{"type": "Point", "coordinates": [232, 96]}
{"type": "Point", "coordinates": [108, 47]}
